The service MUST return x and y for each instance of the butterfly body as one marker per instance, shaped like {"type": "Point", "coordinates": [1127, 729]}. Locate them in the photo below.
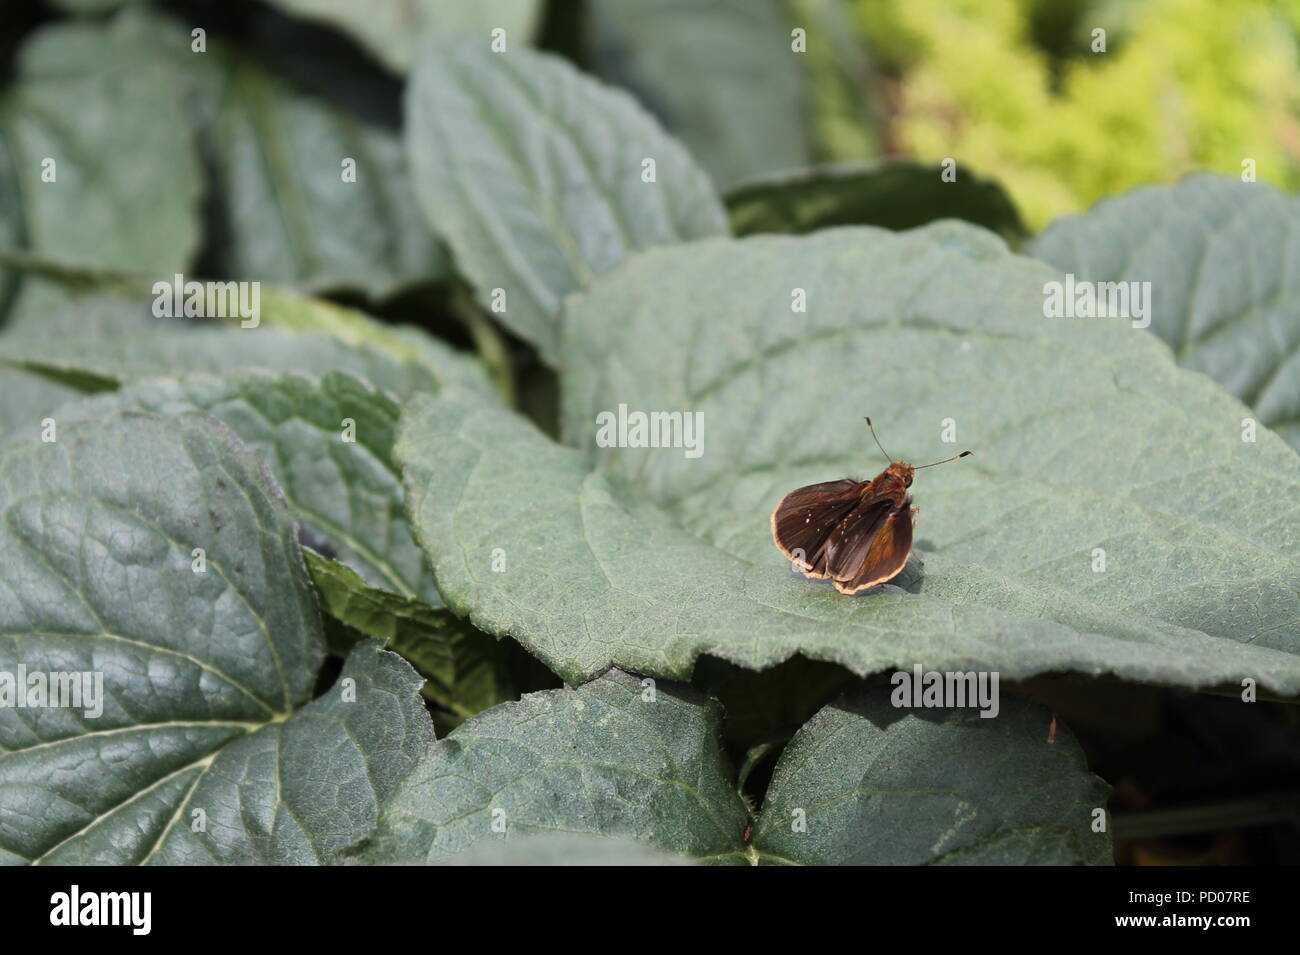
{"type": "Point", "coordinates": [857, 533]}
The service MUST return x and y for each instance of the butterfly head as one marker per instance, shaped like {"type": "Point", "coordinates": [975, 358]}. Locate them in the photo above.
{"type": "Point", "coordinates": [901, 472]}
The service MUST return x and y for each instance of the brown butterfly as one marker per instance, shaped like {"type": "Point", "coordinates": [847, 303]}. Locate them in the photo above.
{"type": "Point", "coordinates": [858, 533]}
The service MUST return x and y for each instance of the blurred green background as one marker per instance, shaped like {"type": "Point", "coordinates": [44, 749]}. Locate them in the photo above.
{"type": "Point", "coordinates": [1018, 91]}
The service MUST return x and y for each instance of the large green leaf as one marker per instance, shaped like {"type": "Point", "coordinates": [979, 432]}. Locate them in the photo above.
{"type": "Point", "coordinates": [1087, 436]}
{"type": "Point", "coordinates": [328, 443]}
{"type": "Point", "coordinates": [896, 195]}
{"type": "Point", "coordinates": [347, 496]}
{"type": "Point", "coordinates": [282, 209]}
{"type": "Point", "coordinates": [864, 783]}
{"type": "Point", "coordinates": [720, 75]}
{"type": "Point", "coordinates": [1223, 260]}
{"type": "Point", "coordinates": [622, 758]}
{"type": "Point", "coordinates": [207, 668]}
{"type": "Point", "coordinates": [126, 186]}
{"type": "Point", "coordinates": [532, 174]}
{"type": "Point", "coordinates": [598, 760]}
{"type": "Point", "coordinates": [391, 31]}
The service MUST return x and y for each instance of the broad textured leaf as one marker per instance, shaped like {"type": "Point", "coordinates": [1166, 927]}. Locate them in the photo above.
{"type": "Point", "coordinates": [207, 674]}
{"type": "Point", "coordinates": [598, 760]}
{"type": "Point", "coordinates": [282, 209]}
{"type": "Point", "coordinates": [390, 30]}
{"type": "Point", "coordinates": [467, 670]}
{"type": "Point", "coordinates": [532, 174]}
{"type": "Point", "coordinates": [1223, 260]}
{"type": "Point", "coordinates": [1087, 437]}
{"type": "Point", "coordinates": [347, 495]}
{"type": "Point", "coordinates": [895, 195]}
{"type": "Point", "coordinates": [883, 786]}
{"type": "Point", "coordinates": [720, 75]}
{"type": "Point", "coordinates": [127, 183]}
{"type": "Point", "coordinates": [618, 760]}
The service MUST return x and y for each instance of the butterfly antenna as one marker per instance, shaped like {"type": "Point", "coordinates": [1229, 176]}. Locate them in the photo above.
{"type": "Point", "coordinates": [944, 461]}
{"type": "Point", "coordinates": [877, 440]}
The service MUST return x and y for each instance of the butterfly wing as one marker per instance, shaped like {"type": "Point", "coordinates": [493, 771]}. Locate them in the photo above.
{"type": "Point", "coordinates": [884, 551]}
{"type": "Point", "coordinates": [804, 520]}
{"type": "Point", "coordinates": [847, 546]}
